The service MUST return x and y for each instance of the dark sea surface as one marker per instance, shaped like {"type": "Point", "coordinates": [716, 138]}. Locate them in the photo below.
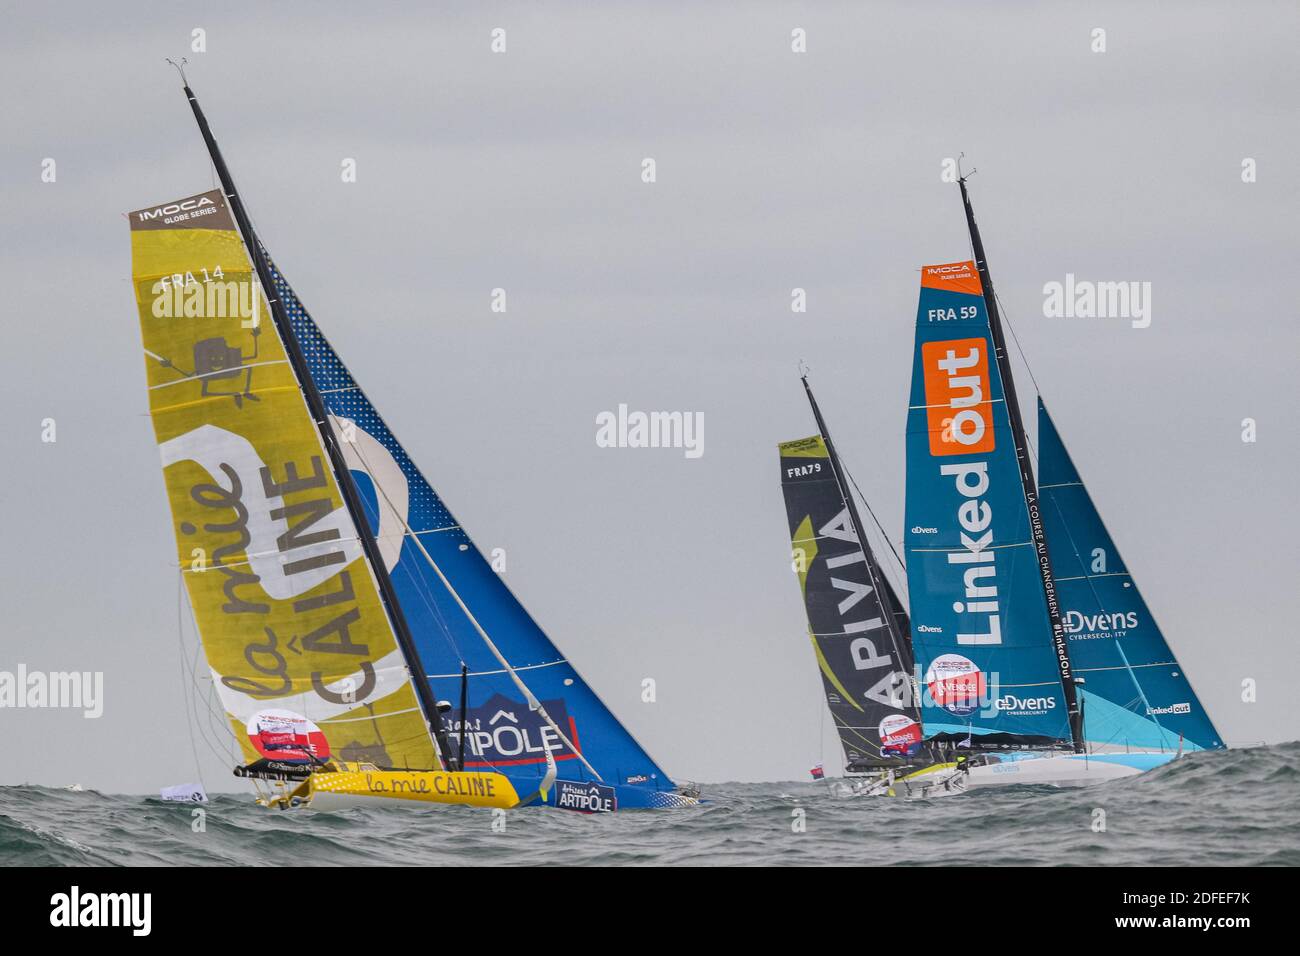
{"type": "Point", "coordinates": [1238, 807]}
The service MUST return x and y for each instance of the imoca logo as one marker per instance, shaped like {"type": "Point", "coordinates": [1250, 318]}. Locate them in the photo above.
{"type": "Point", "coordinates": [186, 205]}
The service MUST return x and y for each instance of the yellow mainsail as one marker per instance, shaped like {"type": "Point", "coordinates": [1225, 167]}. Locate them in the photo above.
{"type": "Point", "coordinates": [301, 650]}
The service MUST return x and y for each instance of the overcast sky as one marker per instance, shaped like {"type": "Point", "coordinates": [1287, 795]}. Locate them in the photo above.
{"type": "Point", "coordinates": [775, 170]}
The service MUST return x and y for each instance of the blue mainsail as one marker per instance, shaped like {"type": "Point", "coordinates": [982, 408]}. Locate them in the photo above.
{"type": "Point", "coordinates": [501, 732]}
{"type": "Point", "coordinates": [980, 628]}
{"type": "Point", "coordinates": [1135, 693]}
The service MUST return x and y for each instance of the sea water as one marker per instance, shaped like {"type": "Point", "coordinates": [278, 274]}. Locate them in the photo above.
{"type": "Point", "coordinates": [1236, 807]}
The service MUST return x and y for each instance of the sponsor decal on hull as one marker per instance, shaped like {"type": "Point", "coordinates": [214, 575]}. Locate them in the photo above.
{"type": "Point", "coordinates": [585, 797]}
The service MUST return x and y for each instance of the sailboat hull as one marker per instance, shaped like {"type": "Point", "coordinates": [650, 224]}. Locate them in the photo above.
{"type": "Point", "coordinates": [586, 796]}
{"type": "Point", "coordinates": [368, 788]}
{"type": "Point", "coordinates": [641, 798]}
{"type": "Point", "coordinates": [938, 780]}
{"type": "Point", "coordinates": [1064, 770]}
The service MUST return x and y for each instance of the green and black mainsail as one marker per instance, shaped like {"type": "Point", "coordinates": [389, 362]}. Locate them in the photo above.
{"type": "Point", "coordinates": [857, 625]}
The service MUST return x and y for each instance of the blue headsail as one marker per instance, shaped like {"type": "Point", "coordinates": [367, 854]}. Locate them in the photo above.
{"type": "Point", "coordinates": [1135, 693]}
{"type": "Point", "coordinates": [501, 732]}
{"type": "Point", "coordinates": [988, 672]}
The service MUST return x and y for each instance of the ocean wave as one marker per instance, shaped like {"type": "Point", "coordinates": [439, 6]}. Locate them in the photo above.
{"type": "Point", "coordinates": [1228, 808]}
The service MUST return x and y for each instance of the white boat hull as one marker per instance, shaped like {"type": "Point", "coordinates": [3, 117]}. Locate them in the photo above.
{"type": "Point", "coordinates": [940, 780]}
{"type": "Point", "coordinates": [1064, 770]}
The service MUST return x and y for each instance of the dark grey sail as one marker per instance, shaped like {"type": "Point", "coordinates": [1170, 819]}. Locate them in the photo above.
{"type": "Point", "coordinates": [857, 626]}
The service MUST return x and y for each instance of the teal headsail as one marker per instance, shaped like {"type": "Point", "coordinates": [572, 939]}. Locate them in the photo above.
{"type": "Point", "coordinates": [1135, 693]}
{"type": "Point", "coordinates": [983, 640]}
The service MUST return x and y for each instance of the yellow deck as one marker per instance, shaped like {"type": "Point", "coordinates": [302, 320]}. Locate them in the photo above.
{"type": "Point", "coordinates": [343, 787]}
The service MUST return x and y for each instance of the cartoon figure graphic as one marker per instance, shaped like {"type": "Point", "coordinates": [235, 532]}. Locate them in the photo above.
{"type": "Point", "coordinates": [217, 361]}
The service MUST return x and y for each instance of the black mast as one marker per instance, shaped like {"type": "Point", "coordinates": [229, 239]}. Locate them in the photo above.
{"type": "Point", "coordinates": [884, 592]}
{"type": "Point", "coordinates": [318, 413]}
{"type": "Point", "coordinates": [1059, 641]}
{"type": "Point", "coordinates": [464, 715]}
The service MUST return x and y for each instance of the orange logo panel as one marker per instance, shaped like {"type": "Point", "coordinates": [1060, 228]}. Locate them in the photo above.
{"type": "Point", "coordinates": [952, 277]}
{"type": "Point", "coordinates": [957, 396]}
